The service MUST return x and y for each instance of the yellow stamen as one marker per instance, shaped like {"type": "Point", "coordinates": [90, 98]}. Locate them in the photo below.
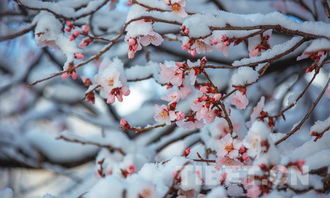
{"type": "Point", "coordinates": [111, 81]}
{"type": "Point", "coordinates": [176, 7]}
{"type": "Point", "coordinates": [229, 147]}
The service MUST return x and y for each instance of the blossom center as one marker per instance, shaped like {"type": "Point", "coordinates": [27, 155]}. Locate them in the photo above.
{"type": "Point", "coordinates": [111, 81]}
{"type": "Point", "coordinates": [163, 114]}
{"type": "Point", "coordinates": [176, 7]}
{"type": "Point", "coordinates": [229, 147]}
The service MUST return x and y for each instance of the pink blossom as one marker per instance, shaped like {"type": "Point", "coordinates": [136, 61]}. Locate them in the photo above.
{"type": "Point", "coordinates": [173, 96]}
{"type": "Point", "coordinates": [172, 75]}
{"type": "Point", "coordinates": [206, 114]}
{"type": "Point", "coordinates": [317, 56]}
{"type": "Point", "coordinates": [151, 38]}
{"type": "Point", "coordinates": [133, 47]}
{"type": "Point", "coordinates": [79, 55]}
{"type": "Point", "coordinates": [187, 45]}
{"type": "Point", "coordinates": [253, 191]}
{"type": "Point", "coordinates": [184, 30]}
{"type": "Point", "coordinates": [109, 79]}
{"type": "Point", "coordinates": [229, 147]}
{"type": "Point", "coordinates": [117, 93]}
{"type": "Point", "coordinates": [124, 124]}
{"type": "Point", "coordinates": [203, 111]}
{"type": "Point", "coordinates": [90, 97]}
{"type": "Point", "coordinates": [85, 42]}
{"type": "Point", "coordinates": [112, 80]}
{"type": "Point", "coordinates": [131, 169]}
{"type": "Point", "coordinates": [190, 123]}
{"type": "Point", "coordinates": [257, 109]}
{"type": "Point", "coordinates": [253, 144]}
{"type": "Point", "coordinates": [224, 128]}
{"type": "Point", "coordinates": [194, 70]}
{"type": "Point", "coordinates": [192, 52]}
{"type": "Point", "coordinates": [254, 52]}
{"type": "Point", "coordinates": [239, 100]}
{"type": "Point", "coordinates": [221, 43]}
{"type": "Point", "coordinates": [186, 152]}
{"type": "Point", "coordinates": [69, 23]}
{"type": "Point", "coordinates": [217, 96]}
{"type": "Point", "coordinates": [205, 89]}
{"type": "Point", "coordinates": [74, 35]}
{"type": "Point", "coordinates": [179, 115]}
{"type": "Point", "coordinates": [129, 2]}
{"type": "Point", "coordinates": [201, 46]}
{"type": "Point", "coordinates": [177, 7]}
{"type": "Point", "coordinates": [164, 115]}
{"type": "Point", "coordinates": [85, 29]}
{"type": "Point", "coordinates": [227, 161]}
{"type": "Point", "coordinates": [185, 91]}
{"type": "Point", "coordinates": [70, 72]}
{"type": "Point", "coordinates": [192, 76]}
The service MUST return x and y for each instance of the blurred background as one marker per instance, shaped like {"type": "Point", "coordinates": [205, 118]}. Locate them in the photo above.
{"type": "Point", "coordinates": [33, 162]}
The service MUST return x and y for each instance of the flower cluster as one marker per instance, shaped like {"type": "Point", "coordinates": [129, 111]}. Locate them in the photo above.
{"type": "Point", "coordinates": [112, 80]}
{"type": "Point", "coordinates": [141, 38]}
{"type": "Point", "coordinates": [260, 45]}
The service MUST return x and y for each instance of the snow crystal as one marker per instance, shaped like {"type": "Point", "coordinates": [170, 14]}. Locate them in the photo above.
{"type": "Point", "coordinates": [110, 186]}
{"type": "Point", "coordinates": [217, 192]}
{"type": "Point", "coordinates": [48, 32]}
{"type": "Point", "coordinates": [320, 126]}
{"type": "Point", "coordinates": [47, 143]}
{"type": "Point", "coordinates": [318, 45]}
{"type": "Point", "coordinates": [47, 29]}
{"type": "Point", "coordinates": [244, 75]}
{"type": "Point", "coordinates": [318, 160]}
{"type": "Point", "coordinates": [310, 147]}
{"type": "Point", "coordinates": [138, 28]}
{"type": "Point", "coordinates": [271, 53]}
{"type": "Point", "coordinates": [65, 8]}
{"type": "Point", "coordinates": [197, 25]}
{"type": "Point", "coordinates": [139, 72]}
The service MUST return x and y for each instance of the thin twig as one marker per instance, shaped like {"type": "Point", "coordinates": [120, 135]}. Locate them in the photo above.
{"type": "Point", "coordinates": [299, 125]}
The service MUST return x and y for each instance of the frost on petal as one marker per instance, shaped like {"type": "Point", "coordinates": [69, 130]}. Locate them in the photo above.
{"type": "Point", "coordinates": [173, 96]}
{"type": "Point", "coordinates": [185, 91]}
{"type": "Point", "coordinates": [111, 99]}
{"type": "Point", "coordinates": [257, 133]}
{"type": "Point", "coordinates": [151, 38]}
{"type": "Point", "coordinates": [178, 8]}
{"type": "Point", "coordinates": [162, 114]}
{"type": "Point", "coordinates": [47, 29]}
{"type": "Point", "coordinates": [112, 79]}
{"type": "Point", "coordinates": [125, 90]}
{"type": "Point", "coordinates": [201, 47]}
{"type": "Point", "coordinates": [171, 74]}
{"type": "Point", "coordinates": [155, 38]}
{"type": "Point", "coordinates": [253, 191]}
{"type": "Point", "coordinates": [145, 40]}
{"type": "Point", "coordinates": [181, 13]}
{"type": "Point", "coordinates": [239, 100]}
